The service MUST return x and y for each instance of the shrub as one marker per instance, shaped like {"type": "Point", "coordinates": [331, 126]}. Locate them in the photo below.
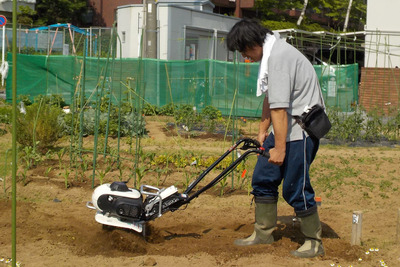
{"type": "Point", "coordinates": [150, 110]}
{"type": "Point", "coordinates": [54, 100]}
{"type": "Point", "coordinates": [186, 115]}
{"type": "Point", "coordinates": [168, 109]}
{"type": "Point", "coordinates": [211, 116]}
{"type": "Point", "coordinates": [24, 99]}
{"type": "Point", "coordinates": [211, 113]}
{"type": "Point", "coordinates": [346, 127]}
{"type": "Point", "coordinates": [39, 126]}
{"type": "Point", "coordinates": [5, 114]}
{"type": "Point", "coordinates": [131, 123]}
{"type": "Point", "coordinates": [373, 126]}
{"type": "Point", "coordinates": [392, 127]}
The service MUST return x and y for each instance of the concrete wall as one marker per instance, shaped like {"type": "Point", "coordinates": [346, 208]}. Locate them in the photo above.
{"type": "Point", "coordinates": [179, 29]}
{"type": "Point", "coordinates": [129, 31]}
{"type": "Point", "coordinates": [382, 42]}
{"type": "Point", "coordinates": [7, 5]}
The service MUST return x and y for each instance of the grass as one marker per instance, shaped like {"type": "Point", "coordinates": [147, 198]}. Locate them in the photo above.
{"type": "Point", "coordinates": [4, 147]}
{"type": "Point", "coordinates": [361, 171]}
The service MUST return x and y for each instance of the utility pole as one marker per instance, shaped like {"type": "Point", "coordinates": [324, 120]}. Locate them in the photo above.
{"type": "Point", "coordinates": [143, 42]}
{"type": "Point", "coordinates": [151, 29]}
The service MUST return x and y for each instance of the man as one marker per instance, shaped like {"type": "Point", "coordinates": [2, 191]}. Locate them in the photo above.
{"type": "Point", "coordinates": [290, 84]}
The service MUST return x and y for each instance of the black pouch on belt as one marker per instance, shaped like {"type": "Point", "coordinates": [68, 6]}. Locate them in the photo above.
{"type": "Point", "coordinates": [314, 121]}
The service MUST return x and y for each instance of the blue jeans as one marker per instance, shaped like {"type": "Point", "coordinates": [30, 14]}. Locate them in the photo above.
{"type": "Point", "coordinates": [297, 190]}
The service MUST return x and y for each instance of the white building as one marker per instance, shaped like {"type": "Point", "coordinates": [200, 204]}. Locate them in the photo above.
{"type": "Point", "coordinates": [382, 40]}
{"type": "Point", "coordinates": [6, 5]}
{"type": "Point", "coordinates": [187, 30]}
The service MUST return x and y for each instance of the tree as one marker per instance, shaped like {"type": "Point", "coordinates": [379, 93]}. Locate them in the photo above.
{"type": "Point", "coordinates": [303, 12]}
{"type": "Point", "coordinates": [275, 9]}
{"type": "Point", "coordinates": [275, 12]}
{"type": "Point", "coordinates": [60, 11]}
{"type": "Point", "coordinates": [336, 11]}
{"type": "Point", "coordinates": [347, 15]}
{"type": "Point", "coordinates": [25, 15]}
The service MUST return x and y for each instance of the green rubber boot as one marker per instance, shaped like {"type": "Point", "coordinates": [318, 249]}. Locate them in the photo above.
{"type": "Point", "coordinates": [266, 215]}
{"type": "Point", "coordinates": [311, 227]}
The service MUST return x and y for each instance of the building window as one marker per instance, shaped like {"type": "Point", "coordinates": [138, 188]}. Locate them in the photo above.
{"type": "Point", "coordinates": [123, 37]}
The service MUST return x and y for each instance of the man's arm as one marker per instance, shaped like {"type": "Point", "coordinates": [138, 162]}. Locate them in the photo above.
{"type": "Point", "coordinates": [265, 122]}
{"type": "Point", "coordinates": [280, 124]}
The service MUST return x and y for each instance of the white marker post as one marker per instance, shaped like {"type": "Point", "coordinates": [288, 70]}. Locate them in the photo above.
{"type": "Point", "coordinates": [3, 22]}
{"type": "Point", "coordinates": [356, 228]}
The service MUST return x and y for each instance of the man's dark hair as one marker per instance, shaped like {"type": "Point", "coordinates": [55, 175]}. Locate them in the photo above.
{"type": "Point", "coordinates": [246, 33]}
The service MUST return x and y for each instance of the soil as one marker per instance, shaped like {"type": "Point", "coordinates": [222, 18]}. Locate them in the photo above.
{"type": "Point", "coordinates": [55, 228]}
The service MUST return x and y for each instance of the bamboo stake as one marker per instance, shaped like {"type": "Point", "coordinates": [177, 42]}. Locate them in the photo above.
{"type": "Point", "coordinates": [398, 227]}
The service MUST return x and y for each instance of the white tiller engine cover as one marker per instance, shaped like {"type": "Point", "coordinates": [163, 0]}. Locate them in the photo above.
{"type": "Point", "coordinates": [120, 206]}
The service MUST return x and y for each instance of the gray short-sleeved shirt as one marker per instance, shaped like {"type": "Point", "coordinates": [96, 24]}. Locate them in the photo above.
{"type": "Point", "coordinates": [292, 84]}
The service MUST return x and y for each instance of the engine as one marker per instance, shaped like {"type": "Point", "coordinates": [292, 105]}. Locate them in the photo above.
{"type": "Point", "coordinates": [117, 199]}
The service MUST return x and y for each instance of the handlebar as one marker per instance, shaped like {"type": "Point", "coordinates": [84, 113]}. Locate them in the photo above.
{"type": "Point", "coordinates": [252, 143]}
{"type": "Point", "coordinates": [264, 153]}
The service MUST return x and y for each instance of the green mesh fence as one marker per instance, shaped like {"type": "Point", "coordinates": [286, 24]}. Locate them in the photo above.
{"type": "Point", "coordinates": [339, 84]}
{"type": "Point", "coordinates": [231, 87]}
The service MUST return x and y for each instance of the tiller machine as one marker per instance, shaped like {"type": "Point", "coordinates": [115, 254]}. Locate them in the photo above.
{"type": "Point", "coordinates": [119, 206]}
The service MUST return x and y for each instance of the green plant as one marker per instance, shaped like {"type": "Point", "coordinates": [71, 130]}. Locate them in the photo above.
{"type": "Point", "coordinates": [53, 100]}
{"type": "Point", "coordinates": [180, 161]}
{"type": "Point", "coordinates": [128, 124]}
{"type": "Point", "coordinates": [188, 178]}
{"type": "Point", "coordinates": [211, 113]}
{"type": "Point", "coordinates": [186, 116]}
{"type": "Point", "coordinates": [210, 117]}
{"type": "Point", "coordinates": [5, 114]}
{"type": "Point", "coordinates": [242, 179]}
{"type": "Point", "coordinates": [391, 128]}
{"type": "Point", "coordinates": [24, 175]}
{"type": "Point", "coordinates": [121, 171]}
{"type": "Point", "coordinates": [39, 126]}
{"type": "Point", "coordinates": [159, 172]}
{"type": "Point", "coordinates": [150, 110]}
{"type": "Point", "coordinates": [84, 165]}
{"type": "Point", "coordinates": [168, 109]}
{"type": "Point", "coordinates": [24, 99]}
{"type": "Point", "coordinates": [373, 126]}
{"type": "Point", "coordinates": [384, 185]}
{"type": "Point", "coordinates": [345, 127]}
{"type": "Point", "coordinates": [133, 124]}
{"type": "Point", "coordinates": [140, 172]}
{"type": "Point", "coordinates": [30, 157]}
{"type": "Point", "coordinates": [103, 172]}
{"type": "Point", "coordinates": [66, 173]}
{"type": "Point", "coordinates": [383, 195]}
{"type": "Point", "coordinates": [353, 124]}
{"type": "Point", "coordinates": [102, 146]}
{"type": "Point", "coordinates": [223, 183]}
{"type": "Point", "coordinates": [47, 171]}
{"type": "Point", "coordinates": [60, 154]}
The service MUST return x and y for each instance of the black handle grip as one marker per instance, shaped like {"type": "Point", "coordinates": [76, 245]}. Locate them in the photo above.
{"type": "Point", "coordinates": [264, 153]}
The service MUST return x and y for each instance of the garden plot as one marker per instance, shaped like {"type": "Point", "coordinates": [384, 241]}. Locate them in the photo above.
{"type": "Point", "coordinates": [54, 228]}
